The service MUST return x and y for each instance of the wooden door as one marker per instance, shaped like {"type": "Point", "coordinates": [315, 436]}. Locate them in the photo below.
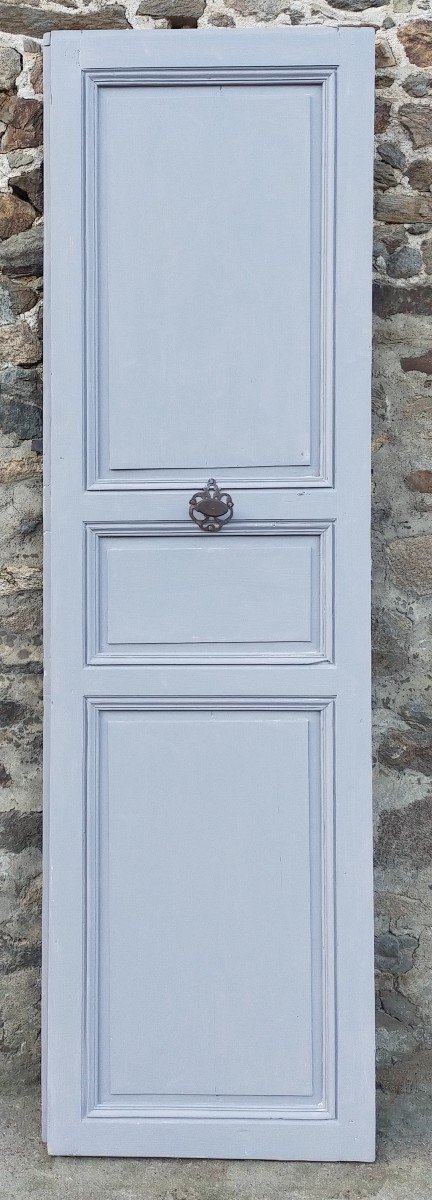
{"type": "Point", "coordinates": [208, 829]}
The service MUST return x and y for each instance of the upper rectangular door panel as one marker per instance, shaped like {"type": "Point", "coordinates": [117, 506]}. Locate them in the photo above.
{"type": "Point", "coordinates": [226, 177]}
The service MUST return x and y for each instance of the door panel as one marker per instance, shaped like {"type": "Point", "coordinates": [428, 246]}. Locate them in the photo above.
{"type": "Point", "coordinates": [165, 593]}
{"type": "Point", "coordinates": [177, 1020]}
{"type": "Point", "coordinates": [181, 299]}
{"type": "Point", "coordinates": [202, 355]}
{"type": "Point", "coordinates": [207, 898]}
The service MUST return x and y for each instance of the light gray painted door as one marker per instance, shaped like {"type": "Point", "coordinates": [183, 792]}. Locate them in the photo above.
{"type": "Point", "coordinates": [208, 964]}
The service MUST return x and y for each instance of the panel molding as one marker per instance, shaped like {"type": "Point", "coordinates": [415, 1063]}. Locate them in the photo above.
{"type": "Point", "coordinates": [322, 473]}
{"type": "Point", "coordinates": [320, 1107]}
{"type": "Point", "coordinates": [187, 654]}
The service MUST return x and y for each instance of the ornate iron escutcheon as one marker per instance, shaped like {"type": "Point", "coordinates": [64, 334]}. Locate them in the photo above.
{"type": "Point", "coordinates": [210, 508]}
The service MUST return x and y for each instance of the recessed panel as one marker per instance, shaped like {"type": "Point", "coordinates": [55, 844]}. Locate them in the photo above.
{"type": "Point", "coordinates": [207, 826]}
{"type": "Point", "coordinates": [169, 594]}
{"type": "Point", "coordinates": [206, 307]}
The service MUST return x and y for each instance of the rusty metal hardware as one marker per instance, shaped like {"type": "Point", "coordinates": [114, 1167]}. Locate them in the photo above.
{"type": "Point", "coordinates": [210, 508]}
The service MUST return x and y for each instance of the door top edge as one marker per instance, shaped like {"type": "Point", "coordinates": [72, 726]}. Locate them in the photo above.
{"type": "Point", "coordinates": [276, 33]}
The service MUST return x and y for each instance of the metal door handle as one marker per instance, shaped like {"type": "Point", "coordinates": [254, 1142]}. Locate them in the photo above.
{"type": "Point", "coordinates": [210, 508]}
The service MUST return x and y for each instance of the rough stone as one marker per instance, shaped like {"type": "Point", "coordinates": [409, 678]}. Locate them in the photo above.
{"type": "Point", "coordinates": [10, 67]}
{"type": "Point", "coordinates": [392, 154]}
{"type": "Point", "coordinates": [420, 362]}
{"type": "Point", "coordinates": [11, 712]}
{"type": "Point", "coordinates": [420, 175]}
{"type": "Point", "coordinates": [20, 830]}
{"type": "Point", "coordinates": [17, 577]}
{"type": "Point", "coordinates": [419, 481]}
{"type": "Point", "coordinates": [221, 20]}
{"type": "Point", "coordinates": [36, 75]}
{"type": "Point", "coordinates": [417, 714]}
{"type": "Point", "coordinates": [384, 56]}
{"type": "Point", "coordinates": [17, 383]}
{"type": "Point", "coordinates": [411, 1072]}
{"type": "Point", "coordinates": [171, 9]}
{"type": "Point", "coordinates": [20, 158]}
{"type": "Point", "coordinates": [15, 215]}
{"type": "Point", "coordinates": [417, 119]}
{"type": "Point", "coordinates": [389, 300]}
{"type": "Point", "coordinates": [416, 38]}
{"type": "Point", "coordinates": [384, 176]}
{"type": "Point", "coordinates": [27, 467]}
{"type": "Point", "coordinates": [407, 749]}
{"type": "Point", "coordinates": [390, 643]}
{"type": "Point", "coordinates": [24, 123]}
{"type": "Point", "coordinates": [402, 207]}
{"type": "Point", "coordinates": [29, 18]}
{"type": "Point", "coordinates": [20, 402]}
{"type": "Point", "coordinates": [404, 263]}
{"type": "Point", "coordinates": [382, 115]}
{"type": "Point", "coordinates": [20, 1022]}
{"type": "Point", "coordinates": [29, 185]}
{"type": "Point", "coordinates": [385, 79]}
{"type": "Point", "coordinates": [406, 833]}
{"type": "Point", "coordinates": [404, 6]}
{"type": "Point", "coordinates": [22, 254]}
{"type": "Point", "coordinates": [427, 256]}
{"type": "Point", "coordinates": [390, 237]}
{"type": "Point", "coordinates": [15, 298]}
{"type": "Point", "coordinates": [378, 254]}
{"type": "Point", "coordinates": [19, 344]}
{"type": "Point", "coordinates": [394, 952]}
{"type": "Point", "coordinates": [410, 563]}
{"type": "Point", "coordinates": [399, 1007]}
{"type": "Point", "coordinates": [21, 419]}
{"type": "Point", "coordinates": [418, 85]}
{"type": "Point", "coordinates": [355, 5]}
{"type": "Point", "coordinates": [262, 10]}
{"type": "Point", "coordinates": [20, 934]}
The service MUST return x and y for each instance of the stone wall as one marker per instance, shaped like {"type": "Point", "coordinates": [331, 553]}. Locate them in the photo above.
{"type": "Point", "coordinates": [402, 499]}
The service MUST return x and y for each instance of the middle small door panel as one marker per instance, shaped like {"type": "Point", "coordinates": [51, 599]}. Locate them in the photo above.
{"type": "Point", "coordinates": [166, 592]}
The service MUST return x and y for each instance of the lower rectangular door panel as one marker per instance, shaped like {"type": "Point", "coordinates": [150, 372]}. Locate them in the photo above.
{"type": "Point", "coordinates": [219, 815]}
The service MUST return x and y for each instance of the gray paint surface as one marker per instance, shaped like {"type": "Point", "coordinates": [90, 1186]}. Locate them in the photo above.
{"type": "Point", "coordinates": [257, 589]}
{"type": "Point", "coordinates": [209, 840]}
{"type": "Point", "coordinates": [229, 782]}
{"type": "Point", "coordinates": [178, 322]}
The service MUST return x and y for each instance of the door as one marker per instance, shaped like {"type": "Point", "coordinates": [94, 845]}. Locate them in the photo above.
{"type": "Point", "coordinates": [208, 837]}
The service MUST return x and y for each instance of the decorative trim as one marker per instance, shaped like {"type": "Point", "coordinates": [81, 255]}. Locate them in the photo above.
{"type": "Point", "coordinates": [321, 1106]}
{"type": "Point", "coordinates": [163, 480]}
{"type": "Point", "coordinates": [188, 654]}
{"type": "Point", "coordinates": [250, 76]}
